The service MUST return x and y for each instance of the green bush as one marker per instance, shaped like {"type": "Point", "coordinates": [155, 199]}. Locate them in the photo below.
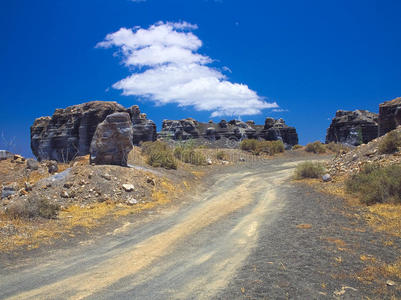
{"type": "Point", "coordinates": [258, 147]}
{"type": "Point", "coordinates": [390, 143]}
{"type": "Point", "coordinates": [33, 207]}
{"type": "Point", "coordinates": [309, 170]}
{"type": "Point", "coordinates": [297, 146]}
{"type": "Point", "coordinates": [159, 154]}
{"type": "Point", "coordinates": [187, 154]}
{"type": "Point", "coordinates": [375, 184]}
{"type": "Point", "coordinates": [315, 147]}
{"type": "Point", "coordinates": [221, 155]}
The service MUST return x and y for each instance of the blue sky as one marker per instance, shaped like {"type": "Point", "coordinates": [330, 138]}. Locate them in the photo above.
{"type": "Point", "coordinates": [310, 57]}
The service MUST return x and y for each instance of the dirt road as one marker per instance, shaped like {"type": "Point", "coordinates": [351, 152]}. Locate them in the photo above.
{"type": "Point", "coordinates": [239, 239]}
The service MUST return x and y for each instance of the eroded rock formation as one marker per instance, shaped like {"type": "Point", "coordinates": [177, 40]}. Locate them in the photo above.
{"type": "Point", "coordinates": [389, 115]}
{"type": "Point", "coordinates": [353, 127]}
{"type": "Point", "coordinates": [112, 140]}
{"type": "Point", "coordinates": [69, 131]}
{"type": "Point", "coordinates": [234, 129]}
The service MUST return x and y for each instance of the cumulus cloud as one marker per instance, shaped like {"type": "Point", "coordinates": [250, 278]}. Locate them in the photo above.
{"type": "Point", "coordinates": [167, 68]}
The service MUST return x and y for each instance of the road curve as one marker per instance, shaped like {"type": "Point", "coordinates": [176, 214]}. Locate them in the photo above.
{"type": "Point", "coordinates": [221, 244]}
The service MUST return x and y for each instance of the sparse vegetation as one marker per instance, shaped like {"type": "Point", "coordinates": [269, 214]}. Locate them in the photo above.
{"type": "Point", "coordinates": [337, 147]}
{"type": "Point", "coordinates": [297, 146]}
{"type": "Point", "coordinates": [375, 184]}
{"type": "Point", "coordinates": [187, 153]}
{"type": "Point", "coordinates": [221, 155]}
{"type": "Point", "coordinates": [258, 147]}
{"type": "Point", "coordinates": [309, 169]}
{"type": "Point", "coordinates": [33, 207]}
{"type": "Point", "coordinates": [390, 143]}
{"type": "Point", "coordinates": [159, 154]}
{"type": "Point", "coordinates": [315, 147]}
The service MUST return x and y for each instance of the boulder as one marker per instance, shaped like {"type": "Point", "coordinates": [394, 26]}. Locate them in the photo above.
{"type": "Point", "coordinates": [9, 190]}
{"type": "Point", "coordinates": [4, 154]}
{"type": "Point", "coordinates": [32, 164]}
{"type": "Point", "coordinates": [112, 140]}
{"type": "Point", "coordinates": [389, 115]}
{"type": "Point", "coordinates": [69, 132]}
{"type": "Point", "coordinates": [353, 127]}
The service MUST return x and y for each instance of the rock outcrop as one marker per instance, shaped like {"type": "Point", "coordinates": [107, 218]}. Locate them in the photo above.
{"type": "Point", "coordinates": [353, 127]}
{"type": "Point", "coordinates": [112, 140]}
{"type": "Point", "coordinates": [389, 115]}
{"type": "Point", "coordinates": [68, 133]}
{"type": "Point", "coordinates": [233, 130]}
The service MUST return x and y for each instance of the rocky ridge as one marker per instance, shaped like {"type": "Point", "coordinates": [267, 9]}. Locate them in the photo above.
{"type": "Point", "coordinates": [389, 115]}
{"type": "Point", "coordinates": [235, 130]}
{"type": "Point", "coordinates": [353, 127]}
{"type": "Point", "coordinates": [69, 132]}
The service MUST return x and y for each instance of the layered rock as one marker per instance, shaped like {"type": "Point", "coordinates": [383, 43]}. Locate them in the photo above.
{"type": "Point", "coordinates": [112, 140]}
{"type": "Point", "coordinates": [353, 127]}
{"type": "Point", "coordinates": [389, 115]}
{"type": "Point", "coordinates": [233, 130]}
{"type": "Point", "coordinates": [68, 133]}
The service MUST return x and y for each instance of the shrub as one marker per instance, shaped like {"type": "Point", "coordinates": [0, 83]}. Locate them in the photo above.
{"type": "Point", "coordinates": [33, 207]}
{"type": "Point", "coordinates": [390, 143]}
{"type": "Point", "coordinates": [221, 155]}
{"type": "Point", "coordinates": [337, 147]}
{"type": "Point", "coordinates": [159, 154]}
{"type": "Point", "coordinates": [187, 154]}
{"type": "Point", "coordinates": [248, 144]}
{"type": "Point", "coordinates": [375, 184]}
{"type": "Point", "coordinates": [309, 169]}
{"type": "Point", "coordinates": [315, 147]}
{"type": "Point", "coordinates": [297, 146]}
{"type": "Point", "coordinates": [258, 147]}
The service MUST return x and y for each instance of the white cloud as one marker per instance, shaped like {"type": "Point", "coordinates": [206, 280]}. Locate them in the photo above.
{"type": "Point", "coordinates": [167, 68]}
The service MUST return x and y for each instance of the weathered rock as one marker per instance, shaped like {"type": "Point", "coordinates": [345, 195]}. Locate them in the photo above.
{"type": "Point", "coordinates": [143, 129]}
{"type": "Point", "coordinates": [353, 127]}
{"type": "Point", "coordinates": [69, 132]}
{"type": "Point", "coordinates": [389, 115]}
{"type": "Point", "coordinates": [32, 164]}
{"type": "Point", "coordinates": [128, 187]}
{"type": "Point", "coordinates": [52, 166]}
{"type": "Point", "coordinates": [112, 140]}
{"type": "Point", "coordinates": [4, 154]}
{"type": "Point", "coordinates": [326, 177]}
{"type": "Point", "coordinates": [232, 130]}
{"type": "Point", "coordinates": [9, 190]}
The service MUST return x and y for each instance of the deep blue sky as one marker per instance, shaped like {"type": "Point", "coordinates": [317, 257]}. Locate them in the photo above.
{"type": "Point", "coordinates": [312, 57]}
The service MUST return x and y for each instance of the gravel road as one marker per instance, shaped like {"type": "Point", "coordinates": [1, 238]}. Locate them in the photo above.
{"type": "Point", "coordinates": [250, 234]}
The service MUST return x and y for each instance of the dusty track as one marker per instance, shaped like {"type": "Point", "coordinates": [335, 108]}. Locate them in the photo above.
{"type": "Point", "coordinates": [228, 242]}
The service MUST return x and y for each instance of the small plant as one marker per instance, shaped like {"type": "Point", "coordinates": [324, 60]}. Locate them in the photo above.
{"type": "Point", "coordinates": [221, 155]}
{"type": "Point", "coordinates": [315, 147]}
{"type": "Point", "coordinates": [159, 154]}
{"type": "Point", "coordinates": [248, 144]}
{"type": "Point", "coordinates": [390, 142]}
{"type": "Point", "coordinates": [187, 154]}
{"type": "Point", "coordinates": [32, 208]}
{"type": "Point", "coordinates": [259, 147]}
{"type": "Point", "coordinates": [309, 169]}
{"type": "Point", "coordinates": [375, 184]}
{"type": "Point", "coordinates": [337, 147]}
{"type": "Point", "coordinates": [297, 146]}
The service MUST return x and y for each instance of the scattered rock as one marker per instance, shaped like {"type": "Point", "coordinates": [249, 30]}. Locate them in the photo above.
{"type": "Point", "coordinates": [52, 166]}
{"type": "Point", "coordinates": [9, 190]}
{"type": "Point", "coordinates": [64, 194]}
{"type": "Point", "coordinates": [241, 159]}
{"type": "Point", "coordinates": [4, 154]}
{"type": "Point", "coordinates": [209, 161]}
{"type": "Point", "coordinates": [326, 177]}
{"type": "Point", "coordinates": [390, 283]}
{"type": "Point", "coordinates": [68, 185]}
{"type": "Point", "coordinates": [112, 140]}
{"type": "Point", "coordinates": [28, 186]}
{"type": "Point", "coordinates": [132, 201]}
{"type": "Point", "coordinates": [128, 187]}
{"type": "Point", "coordinates": [32, 164]}
{"type": "Point", "coordinates": [106, 176]}
{"type": "Point", "coordinates": [150, 180]}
